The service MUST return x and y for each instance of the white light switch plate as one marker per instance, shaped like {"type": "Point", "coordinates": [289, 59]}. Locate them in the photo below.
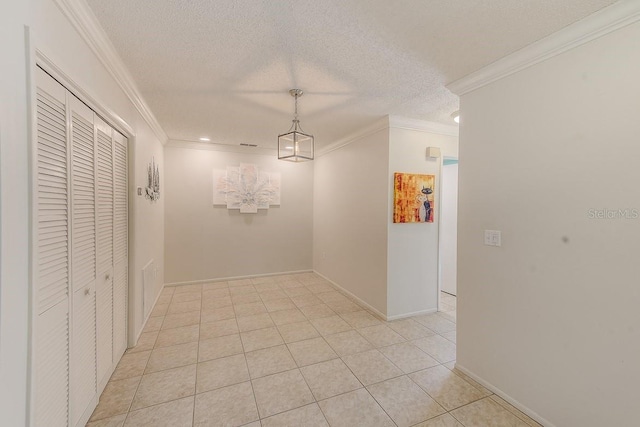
{"type": "Point", "coordinates": [492, 238]}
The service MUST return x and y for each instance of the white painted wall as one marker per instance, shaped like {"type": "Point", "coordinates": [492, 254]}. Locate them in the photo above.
{"type": "Point", "coordinates": [350, 217]}
{"type": "Point", "coordinates": [551, 318]}
{"type": "Point", "coordinates": [53, 34]}
{"type": "Point", "coordinates": [204, 241]}
{"type": "Point", "coordinates": [412, 275]}
{"type": "Point", "coordinates": [14, 221]}
{"type": "Point", "coordinates": [148, 222]}
{"type": "Point", "coordinates": [449, 229]}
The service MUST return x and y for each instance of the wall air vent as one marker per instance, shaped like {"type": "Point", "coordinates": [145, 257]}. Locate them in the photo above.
{"type": "Point", "coordinates": [248, 145]}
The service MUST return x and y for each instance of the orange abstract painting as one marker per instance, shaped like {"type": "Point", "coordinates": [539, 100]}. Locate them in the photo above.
{"type": "Point", "coordinates": [413, 199]}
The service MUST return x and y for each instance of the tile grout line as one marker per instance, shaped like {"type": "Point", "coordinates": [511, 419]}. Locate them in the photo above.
{"type": "Point", "coordinates": [195, 383]}
{"type": "Point", "coordinates": [315, 400]}
{"type": "Point", "coordinates": [244, 353]}
{"type": "Point", "coordinates": [380, 405]}
{"type": "Point", "coordinates": [260, 418]}
{"type": "Point", "coordinates": [141, 376]}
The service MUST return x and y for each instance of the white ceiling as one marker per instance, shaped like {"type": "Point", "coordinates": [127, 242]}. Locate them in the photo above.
{"type": "Point", "coordinates": [223, 68]}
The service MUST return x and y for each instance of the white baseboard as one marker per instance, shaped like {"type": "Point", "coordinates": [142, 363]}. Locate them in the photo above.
{"type": "Point", "coordinates": [224, 279]}
{"type": "Point", "coordinates": [531, 414]}
{"type": "Point", "coordinates": [352, 296]}
{"type": "Point", "coordinates": [371, 308]}
{"type": "Point", "coordinates": [415, 313]}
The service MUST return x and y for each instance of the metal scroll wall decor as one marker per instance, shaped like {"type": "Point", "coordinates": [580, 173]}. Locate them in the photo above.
{"type": "Point", "coordinates": [153, 181]}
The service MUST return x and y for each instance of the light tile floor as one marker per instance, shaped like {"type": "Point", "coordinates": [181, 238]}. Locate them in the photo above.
{"type": "Point", "coordinates": [292, 351]}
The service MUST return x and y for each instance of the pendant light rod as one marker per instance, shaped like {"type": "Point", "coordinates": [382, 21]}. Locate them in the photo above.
{"type": "Point", "coordinates": [296, 93]}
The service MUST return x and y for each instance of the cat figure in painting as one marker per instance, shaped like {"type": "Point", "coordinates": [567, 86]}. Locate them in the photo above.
{"type": "Point", "coordinates": [425, 206]}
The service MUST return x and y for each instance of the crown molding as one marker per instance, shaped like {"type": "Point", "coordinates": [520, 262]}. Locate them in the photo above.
{"type": "Point", "coordinates": [386, 123]}
{"type": "Point", "coordinates": [598, 24]}
{"type": "Point", "coordinates": [84, 21]}
{"type": "Point", "coordinates": [423, 126]}
{"type": "Point", "coordinates": [376, 126]}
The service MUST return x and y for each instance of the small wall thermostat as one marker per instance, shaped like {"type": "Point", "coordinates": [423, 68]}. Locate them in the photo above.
{"type": "Point", "coordinates": [492, 238]}
{"type": "Point", "coordinates": [433, 152]}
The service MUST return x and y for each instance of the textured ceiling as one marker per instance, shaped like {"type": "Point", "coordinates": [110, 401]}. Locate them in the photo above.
{"type": "Point", "coordinates": [223, 68]}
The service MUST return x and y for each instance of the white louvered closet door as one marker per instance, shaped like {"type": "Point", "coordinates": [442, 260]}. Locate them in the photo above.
{"type": "Point", "coordinates": [104, 283]}
{"type": "Point", "coordinates": [51, 257]}
{"type": "Point", "coordinates": [83, 259]}
{"type": "Point", "coordinates": [120, 245]}
{"type": "Point", "coordinates": [80, 256]}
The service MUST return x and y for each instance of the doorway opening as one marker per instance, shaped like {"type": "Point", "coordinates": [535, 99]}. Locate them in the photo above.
{"type": "Point", "coordinates": [448, 236]}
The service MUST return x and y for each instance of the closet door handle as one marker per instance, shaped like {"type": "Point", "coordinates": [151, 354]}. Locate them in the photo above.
{"type": "Point", "coordinates": [107, 276]}
{"type": "Point", "coordinates": [86, 291]}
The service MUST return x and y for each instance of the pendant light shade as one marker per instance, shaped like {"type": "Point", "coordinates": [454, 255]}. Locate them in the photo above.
{"type": "Point", "coordinates": [295, 145]}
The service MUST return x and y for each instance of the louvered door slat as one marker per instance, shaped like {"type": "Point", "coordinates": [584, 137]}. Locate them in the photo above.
{"type": "Point", "coordinates": [54, 265]}
{"type": "Point", "coordinates": [52, 246]}
{"type": "Point", "coordinates": [48, 180]}
{"type": "Point", "coordinates": [53, 161]}
{"type": "Point", "coordinates": [105, 202]}
{"type": "Point", "coordinates": [83, 261]}
{"type": "Point", "coordinates": [50, 117]}
{"type": "Point", "coordinates": [51, 257]}
{"type": "Point", "coordinates": [52, 367]}
{"type": "Point", "coordinates": [53, 198]}
{"type": "Point", "coordinates": [50, 189]}
{"type": "Point", "coordinates": [52, 170]}
{"type": "Point", "coordinates": [52, 130]}
{"type": "Point", "coordinates": [49, 113]}
{"type": "Point", "coordinates": [84, 381]}
{"type": "Point", "coordinates": [104, 285]}
{"type": "Point", "coordinates": [51, 137]}
{"type": "Point", "coordinates": [59, 248]}
{"type": "Point", "coordinates": [53, 152]}
{"type": "Point", "coordinates": [51, 294]}
{"type": "Point", "coordinates": [51, 229]}
{"type": "Point", "coordinates": [83, 202]}
{"type": "Point", "coordinates": [104, 325]}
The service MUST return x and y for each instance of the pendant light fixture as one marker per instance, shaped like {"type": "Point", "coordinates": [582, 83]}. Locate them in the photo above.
{"type": "Point", "coordinates": [295, 145]}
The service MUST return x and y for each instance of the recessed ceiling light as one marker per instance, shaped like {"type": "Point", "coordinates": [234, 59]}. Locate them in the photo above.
{"type": "Point", "coordinates": [204, 139]}
{"type": "Point", "coordinates": [456, 116]}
